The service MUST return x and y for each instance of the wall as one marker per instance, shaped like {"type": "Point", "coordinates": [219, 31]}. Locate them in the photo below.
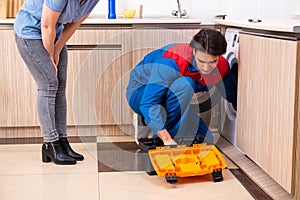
{"type": "Point", "coordinates": [206, 10]}
{"type": "Point", "coordinates": [196, 8]}
{"type": "Point", "coordinates": [263, 9]}
{"type": "Point", "coordinates": [296, 7]}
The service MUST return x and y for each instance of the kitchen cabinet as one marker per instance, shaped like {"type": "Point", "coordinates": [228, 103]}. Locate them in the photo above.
{"type": "Point", "coordinates": [17, 88]}
{"type": "Point", "coordinates": [111, 106]}
{"type": "Point", "coordinates": [92, 96]}
{"type": "Point", "coordinates": [95, 63]}
{"type": "Point", "coordinates": [146, 40]}
{"type": "Point", "coordinates": [94, 68]}
{"type": "Point", "coordinates": [268, 104]}
{"type": "Point", "coordinates": [100, 59]}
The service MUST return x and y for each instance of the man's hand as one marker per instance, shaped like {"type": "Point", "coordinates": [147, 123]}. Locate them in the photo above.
{"type": "Point", "coordinates": [165, 137]}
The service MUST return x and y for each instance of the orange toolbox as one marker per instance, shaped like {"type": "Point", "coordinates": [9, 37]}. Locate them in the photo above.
{"type": "Point", "coordinates": [174, 162]}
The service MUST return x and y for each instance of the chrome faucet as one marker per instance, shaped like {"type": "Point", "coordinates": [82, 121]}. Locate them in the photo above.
{"type": "Point", "coordinates": [179, 13]}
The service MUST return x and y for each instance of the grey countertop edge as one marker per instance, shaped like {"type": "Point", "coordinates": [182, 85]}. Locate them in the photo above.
{"type": "Point", "coordinates": [121, 21]}
{"type": "Point", "coordinates": [284, 25]}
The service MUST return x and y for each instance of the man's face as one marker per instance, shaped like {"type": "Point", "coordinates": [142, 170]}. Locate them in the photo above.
{"type": "Point", "coordinates": [206, 63]}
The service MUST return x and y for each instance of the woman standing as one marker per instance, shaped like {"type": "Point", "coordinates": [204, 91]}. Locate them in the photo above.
{"type": "Point", "coordinates": [42, 28]}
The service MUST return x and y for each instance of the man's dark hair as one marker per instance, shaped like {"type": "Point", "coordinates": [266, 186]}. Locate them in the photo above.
{"type": "Point", "coordinates": [209, 41]}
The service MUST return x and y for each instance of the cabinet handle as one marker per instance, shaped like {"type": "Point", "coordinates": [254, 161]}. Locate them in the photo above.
{"type": "Point", "coordinates": [95, 47]}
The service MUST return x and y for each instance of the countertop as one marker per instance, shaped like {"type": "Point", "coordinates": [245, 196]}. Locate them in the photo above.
{"type": "Point", "coordinates": [159, 19]}
{"type": "Point", "coordinates": [284, 25]}
{"type": "Point", "coordinates": [101, 19]}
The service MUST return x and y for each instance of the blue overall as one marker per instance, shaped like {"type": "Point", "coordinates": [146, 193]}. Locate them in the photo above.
{"type": "Point", "coordinates": [162, 85]}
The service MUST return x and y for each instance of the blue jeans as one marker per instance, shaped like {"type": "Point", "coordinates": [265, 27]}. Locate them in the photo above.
{"type": "Point", "coordinates": [180, 119]}
{"type": "Point", "coordinates": [51, 100]}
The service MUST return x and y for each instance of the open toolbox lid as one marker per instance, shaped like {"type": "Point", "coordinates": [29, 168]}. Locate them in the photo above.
{"type": "Point", "coordinates": [183, 161]}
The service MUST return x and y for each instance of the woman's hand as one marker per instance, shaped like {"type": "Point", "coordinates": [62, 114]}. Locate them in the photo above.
{"type": "Point", "coordinates": [165, 137]}
{"type": "Point", "coordinates": [55, 61]}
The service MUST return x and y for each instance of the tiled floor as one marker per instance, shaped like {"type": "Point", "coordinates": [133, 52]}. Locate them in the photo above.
{"type": "Point", "coordinates": [24, 176]}
{"type": "Point", "coordinates": [137, 185]}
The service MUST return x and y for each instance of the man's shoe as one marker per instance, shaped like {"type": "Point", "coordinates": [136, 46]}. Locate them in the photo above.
{"type": "Point", "coordinates": [198, 139]}
{"type": "Point", "coordinates": [141, 130]}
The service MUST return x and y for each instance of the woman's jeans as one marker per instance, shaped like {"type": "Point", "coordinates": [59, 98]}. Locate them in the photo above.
{"type": "Point", "coordinates": [180, 119]}
{"type": "Point", "coordinates": [51, 100]}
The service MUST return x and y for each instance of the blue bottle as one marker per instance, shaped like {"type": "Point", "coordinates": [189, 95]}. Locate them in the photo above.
{"type": "Point", "coordinates": [111, 9]}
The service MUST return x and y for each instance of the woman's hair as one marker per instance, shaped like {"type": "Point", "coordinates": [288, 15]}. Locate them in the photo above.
{"type": "Point", "coordinates": [209, 41]}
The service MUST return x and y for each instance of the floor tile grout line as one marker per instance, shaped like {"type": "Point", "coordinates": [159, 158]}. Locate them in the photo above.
{"type": "Point", "coordinates": [98, 181]}
{"type": "Point", "coordinates": [48, 174]}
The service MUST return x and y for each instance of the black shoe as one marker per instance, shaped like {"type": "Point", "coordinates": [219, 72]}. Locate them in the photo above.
{"type": "Point", "coordinates": [53, 151]}
{"type": "Point", "coordinates": [198, 139]}
{"type": "Point", "coordinates": [141, 129]}
{"type": "Point", "coordinates": [67, 148]}
{"type": "Point", "coordinates": [146, 144]}
{"type": "Point", "coordinates": [157, 142]}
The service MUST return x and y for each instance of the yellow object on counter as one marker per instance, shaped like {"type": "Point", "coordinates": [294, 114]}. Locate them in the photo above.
{"type": "Point", "coordinates": [128, 14]}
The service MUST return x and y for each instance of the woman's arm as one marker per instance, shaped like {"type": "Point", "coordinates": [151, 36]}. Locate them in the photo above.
{"type": "Point", "coordinates": [68, 31]}
{"type": "Point", "coordinates": [48, 29]}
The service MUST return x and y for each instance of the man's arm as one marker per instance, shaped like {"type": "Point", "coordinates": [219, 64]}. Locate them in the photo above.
{"type": "Point", "coordinates": [164, 135]}
{"type": "Point", "coordinates": [164, 72]}
{"type": "Point", "coordinates": [228, 88]}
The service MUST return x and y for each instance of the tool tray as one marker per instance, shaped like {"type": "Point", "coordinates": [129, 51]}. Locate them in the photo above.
{"type": "Point", "coordinates": [182, 161]}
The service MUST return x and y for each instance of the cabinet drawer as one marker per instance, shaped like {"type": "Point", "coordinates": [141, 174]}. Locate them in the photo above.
{"type": "Point", "coordinates": [96, 37]}
{"type": "Point", "coordinates": [93, 94]}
